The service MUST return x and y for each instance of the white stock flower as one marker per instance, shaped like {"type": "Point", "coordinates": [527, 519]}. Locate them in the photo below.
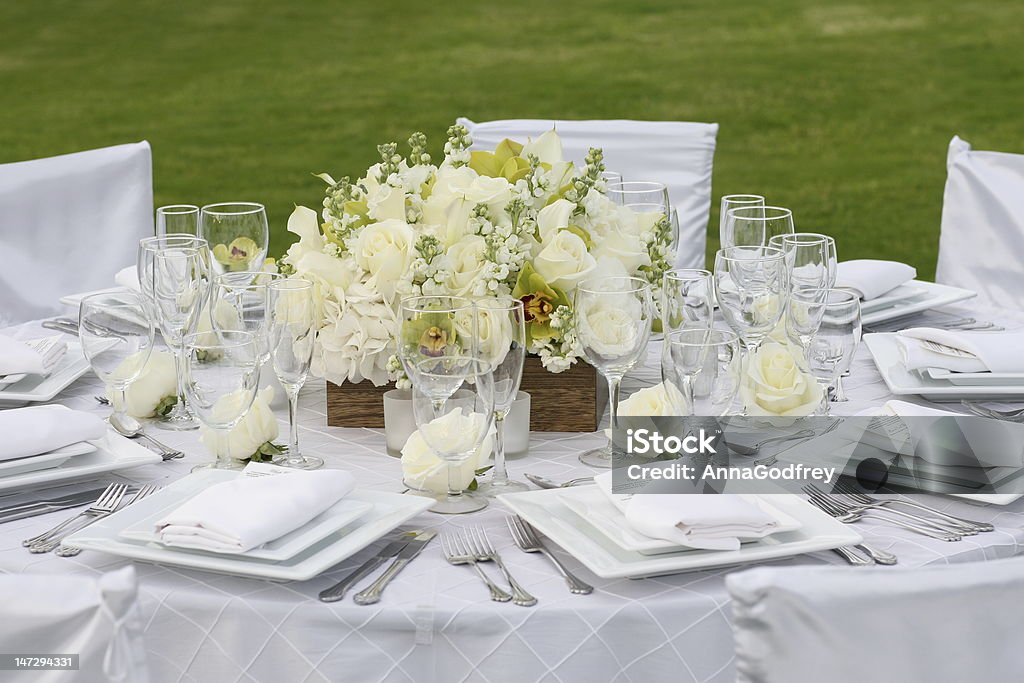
{"type": "Point", "coordinates": [423, 470]}
{"type": "Point", "coordinates": [257, 427]}
{"type": "Point", "coordinates": [156, 382]}
{"type": "Point", "coordinates": [774, 384]}
{"type": "Point", "coordinates": [553, 218]}
{"type": "Point", "coordinates": [384, 250]}
{"type": "Point", "coordinates": [565, 261]}
{"type": "Point", "coordinates": [466, 262]}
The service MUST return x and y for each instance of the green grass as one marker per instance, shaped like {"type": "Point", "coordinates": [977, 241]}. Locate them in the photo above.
{"type": "Point", "coordinates": [840, 111]}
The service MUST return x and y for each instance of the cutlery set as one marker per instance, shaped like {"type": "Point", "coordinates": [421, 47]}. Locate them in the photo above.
{"type": "Point", "coordinates": [916, 320]}
{"type": "Point", "coordinates": [402, 550]}
{"type": "Point", "coordinates": [134, 430]}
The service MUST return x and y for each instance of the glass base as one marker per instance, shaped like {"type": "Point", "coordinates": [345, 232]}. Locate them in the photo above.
{"type": "Point", "coordinates": [491, 489]}
{"type": "Point", "coordinates": [598, 457]}
{"type": "Point", "coordinates": [459, 505]}
{"type": "Point", "coordinates": [220, 465]}
{"type": "Point", "coordinates": [175, 423]}
{"type": "Point", "coordinates": [305, 462]}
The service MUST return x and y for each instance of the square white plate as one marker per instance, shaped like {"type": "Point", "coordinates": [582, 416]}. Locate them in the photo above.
{"type": "Point", "coordinates": [148, 511]}
{"type": "Point", "coordinates": [113, 452]}
{"type": "Point", "coordinates": [903, 382]}
{"type": "Point", "coordinates": [931, 295]}
{"type": "Point", "coordinates": [389, 511]}
{"type": "Point", "coordinates": [34, 388]}
{"type": "Point", "coordinates": [43, 461]}
{"type": "Point", "coordinates": [75, 300]}
{"type": "Point", "coordinates": [592, 505]}
{"type": "Point", "coordinates": [901, 293]}
{"type": "Point", "coordinates": [976, 378]}
{"type": "Point", "coordinates": [546, 511]}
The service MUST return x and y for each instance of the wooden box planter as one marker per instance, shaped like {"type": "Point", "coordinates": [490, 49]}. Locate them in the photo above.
{"type": "Point", "coordinates": [571, 401]}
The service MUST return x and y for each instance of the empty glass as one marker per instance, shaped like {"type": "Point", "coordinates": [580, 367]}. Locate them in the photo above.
{"type": "Point", "coordinates": [248, 307]}
{"type": "Point", "coordinates": [427, 329]}
{"type": "Point", "coordinates": [810, 257]}
{"type": "Point", "coordinates": [686, 299]}
{"type": "Point", "coordinates": [177, 219]}
{"type": "Point", "coordinates": [291, 325]}
{"type": "Point", "coordinates": [701, 371]}
{"type": "Point", "coordinates": [613, 318]}
{"type": "Point", "coordinates": [634, 192]}
{"type": "Point", "coordinates": [221, 374]}
{"type": "Point", "coordinates": [751, 286]}
{"type": "Point", "coordinates": [238, 235]}
{"type": "Point", "coordinates": [754, 226]}
{"type": "Point", "coordinates": [734, 201]}
{"type": "Point", "coordinates": [833, 347]}
{"type": "Point", "coordinates": [803, 316]}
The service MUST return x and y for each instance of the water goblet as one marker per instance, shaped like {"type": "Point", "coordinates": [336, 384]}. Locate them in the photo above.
{"type": "Point", "coordinates": [686, 299]}
{"type": "Point", "coordinates": [836, 341]}
{"type": "Point", "coordinates": [751, 287]}
{"type": "Point", "coordinates": [177, 219]}
{"type": "Point", "coordinates": [238, 235]}
{"type": "Point", "coordinates": [734, 201]}
{"type": "Point", "coordinates": [754, 226]}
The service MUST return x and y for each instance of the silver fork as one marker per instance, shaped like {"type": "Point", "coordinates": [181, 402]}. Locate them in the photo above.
{"type": "Point", "coordinates": [485, 552]}
{"type": "Point", "coordinates": [855, 507]}
{"type": "Point", "coordinates": [100, 500]}
{"type": "Point", "coordinates": [528, 541]}
{"type": "Point", "coordinates": [456, 551]}
{"type": "Point", "coordinates": [71, 551]}
{"type": "Point", "coordinates": [830, 506]}
{"type": "Point", "coordinates": [772, 459]}
{"type": "Point", "coordinates": [959, 522]}
{"type": "Point", "coordinates": [103, 506]}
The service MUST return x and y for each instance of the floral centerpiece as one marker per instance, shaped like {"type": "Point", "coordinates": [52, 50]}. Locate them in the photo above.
{"type": "Point", "coordinates": [517, 221]}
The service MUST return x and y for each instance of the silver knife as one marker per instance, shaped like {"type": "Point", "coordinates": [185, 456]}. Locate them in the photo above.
{"type": "Point", "coordinates": [71, 500]}
{"type": "Point", "coordinates": [42, 510]}
{"type": "Point", "coordinates": [413, 548]}
{"type": "Point", "coordinates": [338, 590]}
{"type": "Point", "coordinates": [65, 325]}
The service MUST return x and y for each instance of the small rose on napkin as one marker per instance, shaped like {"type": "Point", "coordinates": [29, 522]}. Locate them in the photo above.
{"type": "Point", "coordinates": [774, 383]}
{"type": "Point", "coordinates": [154, 392]}
{"type": "Point", "coordinates": [253, 437]}
{"type": "Point", "coordinates": [423, 470]}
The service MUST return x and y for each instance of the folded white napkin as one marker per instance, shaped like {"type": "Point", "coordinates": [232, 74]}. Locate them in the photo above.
{"type": "Point", "coordinates": [244, 513]}
{"type": "Point", "coordinates": [40, 429]}
{"type": "Point", "coordinates": [128, 278]}
{"type": "Point", "coordinates": [35, 357]}
{"type": "Point", "coordinates": [708, 522]}
{"type": "Point", "coordinates": [962, 351]}
{"type": "Point", "coordinates": [872, 278]}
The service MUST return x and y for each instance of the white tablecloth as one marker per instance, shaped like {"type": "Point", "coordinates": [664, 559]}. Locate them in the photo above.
{"type": "Point", "coordinates": [435, 622]}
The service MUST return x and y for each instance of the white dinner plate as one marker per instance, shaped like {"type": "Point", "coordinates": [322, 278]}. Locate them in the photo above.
{"type": "Point", "coordinates": [976, 378]}
{"type": "Point", "coordinates": [111, 453]}
{"type": "Point", "coordinates": [930, 295]}
{"type": "Point", "coordinates": [902, 382]}
{"type": "Point", "coordinates": [148, 511]}
{"type": "Point", "coordinates": [35, 388]}
{"type": "Point", "coordinates": [389, 510]}
{"type": "Point", "coordinates": [75, 300]}
{"type": "Point", "coordinates": [547, 512]}
{"type": "Point", "coordinates": [592, 505]}
{"type": "Point", "coordinates": [893, 296]}
{"type": "Point", "coordinates": [44, 461]}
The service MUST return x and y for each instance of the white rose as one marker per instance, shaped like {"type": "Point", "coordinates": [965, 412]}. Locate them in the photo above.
{"type": "Point", "coordinates": [564, 262]}
{"type": "Point", "coordinates": [450, 182]}
{"type": "Point", "coordinates": [609, 327]}
{"type": "Point", "coordinates": [494, 192]}
{"type": "Point", "coordinates": [626, 249]}
{"type": "Point", "coordinates": [327, 269]}
{"type": "Point", "coordinates": [157, 381]}
{"type": "Point", "coordinates": [493, 330]}
{"type": "Point", "coordinates": [547, 148]}
{"type": "Point", "coordinates": [388, 203]}
{"type": "Point", "coordinates": [384, 250]}
{"type": "Point", "coordinates": [423, 470]}
{"type": "Point", "coordinates": [225, 317]}
{"type": "Point", "coordinates": [774, 384]}
{"type": "Point", "coordinates": [466, 259]}
{"type": "Point", "coordinates": [659, 400]}
{"type": "Point", "coordinates": [257, 427]}
{"type": "Point", "coordinates": [553, 218]}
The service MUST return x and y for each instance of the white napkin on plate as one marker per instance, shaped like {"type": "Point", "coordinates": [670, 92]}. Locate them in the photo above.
{"type": "Point", "coordinates": [36, 357]}
{"type": "Point", "coordinates": [962, 351]}
{"type": "Point", "coordinates": [244, 513]}
{"type": "Point", "coordinates": [872, 278]}
{"type": "Point", "coordinates": [128, 278]}
{"type": "Point", "coordinates": [708, 522]}
{"type": "Point", "coordinates": [40, 429]}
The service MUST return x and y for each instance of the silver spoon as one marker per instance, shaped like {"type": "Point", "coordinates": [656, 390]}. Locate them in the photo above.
{"type": "Point", "coordinates": [130, 428]}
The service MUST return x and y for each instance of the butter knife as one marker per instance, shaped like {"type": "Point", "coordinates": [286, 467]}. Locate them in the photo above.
{"type": "Point", "coordinates": [413, 548]}
{"type": "Point", "coordinates": [338, 590]}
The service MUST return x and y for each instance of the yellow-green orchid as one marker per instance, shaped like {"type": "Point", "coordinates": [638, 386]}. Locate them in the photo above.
{"type": "Point", "coordinates": [237, 255]}
{"type": "Point", "coordinates": [504, 162]}
{"type": "Point", "coordinates": [539, 301]}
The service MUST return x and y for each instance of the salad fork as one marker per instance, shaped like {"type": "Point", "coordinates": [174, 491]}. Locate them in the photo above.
{"type": "Point", "coordinates": [857, 496]}
{"type": "Point", "coordinates": [528, 541]}
{"type": "Point", "coordinates": [456, 551]}
{"type": "Point", "coordinates": [71, 551]}
{"type": "Point", "coordinates": [832, 507]}
{"type": "Point", "coordinates": [485, 552]}
{"type": "Point", "coordinates": [104, 505]}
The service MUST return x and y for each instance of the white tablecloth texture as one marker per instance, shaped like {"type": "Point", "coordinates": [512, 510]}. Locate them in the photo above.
{"type": "Point", "coordinates": [435, 622]}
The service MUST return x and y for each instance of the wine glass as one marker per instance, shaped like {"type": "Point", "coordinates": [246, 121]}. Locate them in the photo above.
{"type": "Point", "coordinates": [803, 316]}
{"type": "Point", "coordinates": [834, 345]}
{"type": "Point", "coordinates": [754, 226]}
{"type": "Point", "coordinates": [734, 201]}
{"type": "Point", "coordinates": [686, 299]}
{"type": "Point", "coordinates": [177, 219]}
{"type": "Point", "coordinates": [179, 287]}
{"type": "Point", "coordinates": [454, 429]}
{"type": "Point", "coordinates": [238, 235]}
{"type": "Point", "coordinates": [117, 338]}
{"type": "Point", "coordinates": [629, 193]}
{"type": "Point", "coordinates": [810, 257]}
{"type": "Point", "coordinates": [144, 260]}
{"type": "Point", "coordinates": [613, 318]}
{"type": "Point", "coordinates": [248, 304]}
{"type": "Point", "coordinates": [701, 370]}
{"type": "Point", "coordinates": [427, 329]}
{"type": "Point", "coordinates": [751, 285]}
{"type": "Point", "coordinates": [501, 330]}
{"type": "Point", "coordinates": [291, 331]}
{"type": "Point", "coordinates": [221, 373]}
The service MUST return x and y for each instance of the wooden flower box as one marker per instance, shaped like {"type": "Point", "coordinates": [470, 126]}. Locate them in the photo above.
{"type": "Point", "coordinates": [571, 401]}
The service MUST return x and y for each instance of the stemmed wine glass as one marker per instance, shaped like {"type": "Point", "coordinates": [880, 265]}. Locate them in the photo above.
{"type": "Point", "coordinates": [639, 192]}
{"type": "Point", "coordinates": [177, 219]}
{"type": "Point", "coordinates": [175, 279]}
{"type": "Point", "coordinates": [686, 299]}
{"type": "Point", "coordinates": [428, 329]}
{"type": "Point", "coordinates": [117, 338]}
{"type": "Point", "coordinates": [454, 429]}
{"type": "Point", "coordinates": [810, 257]}
{"type": "Point", "coordinates": [291, 332]}
{"type": "Point", "coordinates": [701, 370]}
{"type": "Point", "coordinates": [836, 341]}
{"type": "Point", "coordinates": [238, 235]}
{"type": "Point", "coordinates": [501, 324]}
{"type": "Point", "coordinates": [754, 226]}
{"type": "Point", "coordinates": [734, 201]}
{"type": "Point", "coordinates": [248, 303]}
{"type": "Point", "coordinates": [221, 374]}
{"type": "Point", "coordinates": [751, 285]}
{"type": "Point", "coordinates": [613, 318]}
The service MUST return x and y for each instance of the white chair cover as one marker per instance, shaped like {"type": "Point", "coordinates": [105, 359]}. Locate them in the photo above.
{"type": "Point", "coordinates": [95, 618]}
{"type": "Point", "coordinates": [982, 241]}
{"type": "Point", "coordinates": [943, 624]}
{"type": "Point", "coordinates": [678, 154]}
{"type": "Point", "coordinates": [68, 224]}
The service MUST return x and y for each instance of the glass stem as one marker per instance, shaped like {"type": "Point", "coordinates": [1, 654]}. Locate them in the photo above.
{"type": "Point", "coordinates": [454, 492]}
{"type": "Point", "coordinates": [614, 381]}
{"type": "Point", "coordinates": [179, 410]}
{"type": "Point", "coordinates": [121, 407]}
{"type": "Point", "coordinates": [500, 473]}
{"type": "Point", "coordinates": [293, 427]}
{"type": "Point", "coordinates": [223, 455]}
